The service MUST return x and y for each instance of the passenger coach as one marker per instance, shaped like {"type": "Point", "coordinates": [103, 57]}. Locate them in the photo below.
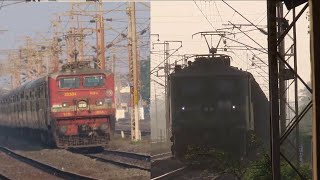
{"type": "Point", "coordinates": [70, 108]}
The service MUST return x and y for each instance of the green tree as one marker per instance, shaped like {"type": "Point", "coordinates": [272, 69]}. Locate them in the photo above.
{"type": "Point", "coordinates": [261, 170]}
{"type": "Point", "coordinates": [145, 84]}
{"type": "Point", "coordinates": [306, 122]}
{"type": "Point", "coordinates": [305, 125]}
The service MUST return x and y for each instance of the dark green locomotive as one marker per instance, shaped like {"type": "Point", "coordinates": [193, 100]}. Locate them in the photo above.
{"type": "Point", "coordinates": [212, 104]}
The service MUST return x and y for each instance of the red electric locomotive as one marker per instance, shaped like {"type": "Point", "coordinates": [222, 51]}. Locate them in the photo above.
{"type": "Point", "coordinates": [70, 108]}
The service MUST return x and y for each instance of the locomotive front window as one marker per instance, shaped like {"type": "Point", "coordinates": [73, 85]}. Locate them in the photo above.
{"type": "Point", "coordinates": [69, 82]}
{"type": "Point", "coordinates": [93, 81]}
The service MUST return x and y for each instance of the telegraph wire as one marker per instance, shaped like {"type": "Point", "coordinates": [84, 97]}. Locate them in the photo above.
{"type": "Point", "coordinates": [1, 4]}
{"type": "Point", "coordinates": [204, 14]}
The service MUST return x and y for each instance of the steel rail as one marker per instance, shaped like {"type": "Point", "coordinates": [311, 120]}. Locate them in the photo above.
{"type": "Point", "coordinates": [45, 167]}
{"type": "Point", "coordinates": [161, 156]}
{"type": "Point", "coordinates": [2, 177]}
{"type": "Point", "coordinates": [128, 132]}
{"type": "Point", "coordinates": [117, 163]}
{"type": "Point", "coordinates": [171, 173]}
{"type": "Point", "coordinates": [103, 157]}
{"type": "Point", "coordinates": [137, 156]}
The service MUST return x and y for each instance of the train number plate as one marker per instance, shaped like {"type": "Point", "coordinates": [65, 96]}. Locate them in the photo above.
{"type": "Point", "coordinates": [100, 112]}
{"type": "Point", "coordinates": [93, 93]}
{"type": "Point", "coordinates": [70, 94]}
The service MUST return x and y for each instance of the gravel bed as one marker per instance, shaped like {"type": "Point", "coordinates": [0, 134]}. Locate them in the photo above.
{"type": "Point", "coordinates": [205, 175]}
{"type": "Point", "coordinates": [158, 148]}
{"type": "Point", "coordinates": [15, 169]}
{"type": "Point", "coordinates": [126, 160]}
{"type": "Point", "coordinates": [163, 166]}
{"type": "Point", "coordinates": [126, 144]}
{"type": "Point", "coordinates": [72, 162]}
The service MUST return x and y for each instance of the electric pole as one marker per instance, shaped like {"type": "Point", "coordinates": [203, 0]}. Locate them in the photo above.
{"type": "Point", "coordinates": [156, 108]}
{"type": "Point", "coordinates": [282, 81]}
{"type": "Point", "coordinates": [166, 74]}
{"type": "Point", "coordinates": [100, 40]}
{"type": "Point", "coordinates": [55, 48]}
{"type": "Point", "coordinates": [134, 78]}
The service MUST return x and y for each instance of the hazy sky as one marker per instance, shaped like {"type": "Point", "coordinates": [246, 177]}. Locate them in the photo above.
{"type": "Point", "coordinates": [34, 20]}
{"type": "Point", "coordinates": [178, 20]}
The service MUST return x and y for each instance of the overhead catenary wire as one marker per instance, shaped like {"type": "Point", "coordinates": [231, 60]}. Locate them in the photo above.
{"type": "Point", "coordinates": [204, 15]}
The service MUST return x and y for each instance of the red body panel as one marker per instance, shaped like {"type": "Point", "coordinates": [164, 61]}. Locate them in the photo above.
{"type": "Point", "coordinates": [72, 96]}
{"type": "Point", "coordinates": [73, 118]}
{"type": "Point", "coordinates": [37, 106]}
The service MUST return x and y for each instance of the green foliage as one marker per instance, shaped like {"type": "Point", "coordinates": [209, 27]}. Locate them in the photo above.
{"type": "Point", "coordinates": [261, 170]}
{"type": "Point", "coordinates": [306, 122]}
{"type": "Point", "coordinates": [145, 83]}
{"type": "Point", "coordinates": [213, 160]}
{"type": "Point", "coordinates": [135, 142]}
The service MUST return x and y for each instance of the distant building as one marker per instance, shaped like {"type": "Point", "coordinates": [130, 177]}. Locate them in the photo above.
{"type": "Point", "coordinates": [123, 105]}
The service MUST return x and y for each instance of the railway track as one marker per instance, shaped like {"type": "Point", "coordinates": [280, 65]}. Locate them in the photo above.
{"type": "Point", "coordinates": [161, 156]}
{"type": "Point", "coordinates": [122, 159]}
{"type": "Point", "coordinates": [44, 167]}
{"type": "Point", "coordinates": [178, 173]}
{"type": "Point", "coordinates": [171, 174]}
{"type": "Point", "coordinates": [128, 132]}
{"type": "Point", "coordinates": [2, 177]}
{"type": "Point", "coordinates": [138, 156]}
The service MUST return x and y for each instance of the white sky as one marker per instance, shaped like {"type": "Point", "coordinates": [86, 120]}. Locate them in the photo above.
{"type": "Point", "coordinates": [34, 19]}
{"type": "Point", "coordinates": [178, 20]}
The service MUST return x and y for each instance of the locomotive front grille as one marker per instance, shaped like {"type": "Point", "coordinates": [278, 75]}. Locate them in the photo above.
{"type": "Point", "coordinates": [77, 141]}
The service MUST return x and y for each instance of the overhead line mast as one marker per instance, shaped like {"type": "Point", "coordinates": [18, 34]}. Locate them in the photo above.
{"type": "Point", "coordinates": [133, 72]}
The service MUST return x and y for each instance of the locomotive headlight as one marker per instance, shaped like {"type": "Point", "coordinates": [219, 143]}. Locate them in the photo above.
{"type": "Point", "coordinates": [82, 104]}
{"type": "Point", "coordinates": [109, 92]}
{"type": "Point", "coordinates": [99, 103]}
{"type": "Point", "coordinates": [64, 104]}
{"type": "Point", "coordinates": [183, 108]}
{"type": "Point", "coordinates": [233, 107]}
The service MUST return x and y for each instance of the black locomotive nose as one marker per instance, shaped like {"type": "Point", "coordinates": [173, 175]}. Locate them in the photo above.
{"type": "Point", "coordinates": [208, 108]}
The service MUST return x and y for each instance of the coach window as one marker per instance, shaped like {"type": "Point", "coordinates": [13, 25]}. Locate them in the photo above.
{"type": "Point", "coordinates": [93, 81]}
{"type": "Point", "coordinates": [69, 83]}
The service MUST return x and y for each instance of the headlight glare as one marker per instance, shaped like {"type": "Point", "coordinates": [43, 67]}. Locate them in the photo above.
{"type": "Point", "coordinates": [65, 104]}
{"type": "Point", "coordinates": [99, 103]}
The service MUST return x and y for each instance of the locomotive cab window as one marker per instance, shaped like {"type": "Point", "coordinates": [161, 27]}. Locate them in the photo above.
{"type": "Point", "coordinates": [70, 82]}
{"type": "Point", "coordinates": [93, 81]}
